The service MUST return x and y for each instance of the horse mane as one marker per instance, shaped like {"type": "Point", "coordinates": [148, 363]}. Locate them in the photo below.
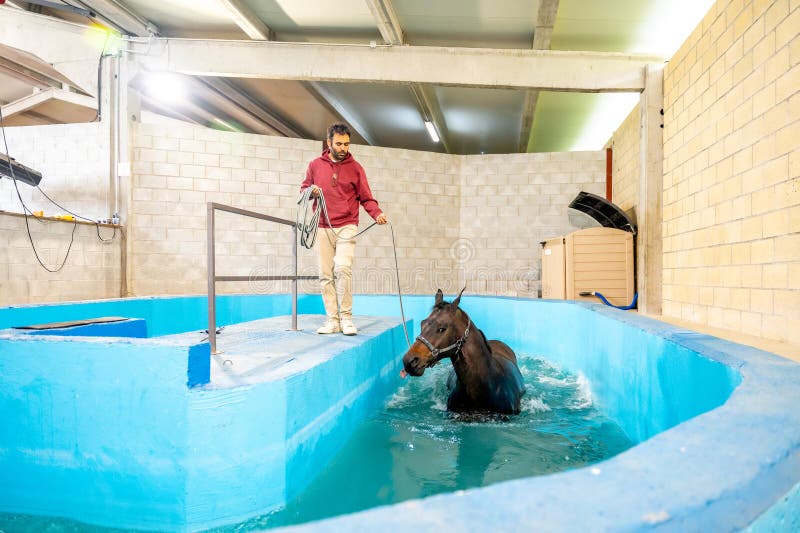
{"type": "Point", "coordinates": [443, 304]}
{"type": "Point", "coordinates": [485, 342]}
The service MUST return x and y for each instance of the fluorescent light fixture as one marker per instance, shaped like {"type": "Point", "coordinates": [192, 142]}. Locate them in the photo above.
{"type": "Point", "coordinates": [224, 124]}
{"type": "Point", "coordinates": [165, 87]}
{"type": "Point", "coordinates": [246, 19]}
{"type": "Point", "coordinates": [432, 131]}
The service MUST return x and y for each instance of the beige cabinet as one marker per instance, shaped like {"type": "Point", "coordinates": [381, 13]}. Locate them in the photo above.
{"type": "Point", "coordinates": [554, 280]}
{"type": "Point", "coordinates": [593, 259]}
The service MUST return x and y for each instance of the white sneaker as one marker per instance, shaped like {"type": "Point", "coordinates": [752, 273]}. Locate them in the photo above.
{"type": "Point", "coordinates": [330, 326]}
{"type": "Point", "coordinates": [348, 328]}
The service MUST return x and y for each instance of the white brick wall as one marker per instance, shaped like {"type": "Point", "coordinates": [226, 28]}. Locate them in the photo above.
{"type": "Point", "coordinates": [92, 269]}
{"type": "Point", "coordinates": [74, 163]}
{"type": "Point", "coordinates": [73, 160]}
{"type": "Point", "coordinates": [457, 219]}
{"type": "Point", "coordinates": [509, 204]}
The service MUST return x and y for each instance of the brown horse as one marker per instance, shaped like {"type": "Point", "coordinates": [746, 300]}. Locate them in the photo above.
{"type": "Point", "coordinates": [487, 377]}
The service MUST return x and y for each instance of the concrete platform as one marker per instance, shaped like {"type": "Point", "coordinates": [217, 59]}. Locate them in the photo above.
{"type": "Point", "coordinates": [267, 350]}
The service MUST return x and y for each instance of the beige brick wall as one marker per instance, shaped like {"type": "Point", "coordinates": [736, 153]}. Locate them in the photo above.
{"type": "Point", "coordinates": [732, 171]}
{"type": "Point", "coordinates": [92, 269]}
{"type": "Point", "coordinates": [477, 219]}
{"type": "Point", "coordinates": [625, 165]}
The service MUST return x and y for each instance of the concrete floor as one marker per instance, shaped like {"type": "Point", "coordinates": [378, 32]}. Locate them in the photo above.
{"type": "Point", "coordinates": [784, 349]}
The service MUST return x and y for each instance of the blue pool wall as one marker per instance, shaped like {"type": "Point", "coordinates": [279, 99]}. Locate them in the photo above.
{"type": "Point", "coordinates": [163, 315]}
{"type": "Point", "coordinates": [730, 455]}
{"type": "Point", "coordinates": [91, 427]}
{"type": "Point", "coordinates": [254, 448]}
{"type": "Point", "coordinates": [128, 432]}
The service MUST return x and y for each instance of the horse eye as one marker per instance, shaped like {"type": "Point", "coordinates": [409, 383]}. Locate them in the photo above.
{"type": "Point", "coordinates": [440, 330]}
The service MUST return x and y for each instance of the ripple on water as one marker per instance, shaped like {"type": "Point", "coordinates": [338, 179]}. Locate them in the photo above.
{"type": "Point", "coordinates": [414, 448]}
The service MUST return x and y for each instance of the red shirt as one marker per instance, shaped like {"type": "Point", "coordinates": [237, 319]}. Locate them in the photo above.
{"type": "Point", "coordinates": [344, 185]}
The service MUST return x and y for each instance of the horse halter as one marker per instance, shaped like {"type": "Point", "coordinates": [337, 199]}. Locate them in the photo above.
{"type": "Point", "coordinates": [436, 352]}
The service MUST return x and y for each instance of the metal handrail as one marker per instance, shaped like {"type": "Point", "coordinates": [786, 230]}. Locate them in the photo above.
{"type": "Point", "coordinates": [213, 278]}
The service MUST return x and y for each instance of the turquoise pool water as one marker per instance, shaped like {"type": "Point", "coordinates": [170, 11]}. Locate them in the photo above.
{"type": "Point", "coordinates": [414, 448]}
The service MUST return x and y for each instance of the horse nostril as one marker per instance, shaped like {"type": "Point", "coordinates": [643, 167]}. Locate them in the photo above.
{"type": "Point", "coordinates": [414, 361]}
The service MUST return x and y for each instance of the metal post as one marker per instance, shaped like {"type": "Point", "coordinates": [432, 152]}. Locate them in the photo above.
{"type": "Point", "coordinates": [212, 292]}
{"type": "Point", "coordinates": [212, 274]}
{"type": "Point", "coordinates": [294, 280]}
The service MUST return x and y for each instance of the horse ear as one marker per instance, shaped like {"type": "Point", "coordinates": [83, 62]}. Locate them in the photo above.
{"type": "Point", "coordinates": [439, 297]}
{"type": "Point", "coordinates": [457, 300]}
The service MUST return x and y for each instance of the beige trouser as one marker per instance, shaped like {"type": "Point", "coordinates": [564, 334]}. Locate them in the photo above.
{"type": "Point", "coordinates": [336, 255]}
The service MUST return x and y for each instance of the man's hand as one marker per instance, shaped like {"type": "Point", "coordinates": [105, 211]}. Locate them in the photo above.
{"type": "Point", "coordinates": [381, 219]}
{"type": "Point", "coordinates": [314, 191]}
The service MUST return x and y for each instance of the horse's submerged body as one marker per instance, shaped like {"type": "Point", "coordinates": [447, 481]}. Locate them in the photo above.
{"type": "Point", "coordinates": [486, 376]}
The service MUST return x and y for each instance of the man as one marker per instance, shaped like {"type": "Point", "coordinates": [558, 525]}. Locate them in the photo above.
{"type": "Point", "coordinates": [343, 183]}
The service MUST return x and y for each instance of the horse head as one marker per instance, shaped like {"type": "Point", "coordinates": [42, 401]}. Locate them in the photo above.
{"type": "Point", "coordinates": [441, 335]}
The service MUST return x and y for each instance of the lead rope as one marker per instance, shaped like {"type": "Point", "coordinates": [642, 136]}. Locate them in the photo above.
{"type": "Point", "coordinates": [308, 224]}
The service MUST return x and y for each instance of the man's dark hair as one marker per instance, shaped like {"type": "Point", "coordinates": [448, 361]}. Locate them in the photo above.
{"type": "Point", "coordinates": [340, 128]}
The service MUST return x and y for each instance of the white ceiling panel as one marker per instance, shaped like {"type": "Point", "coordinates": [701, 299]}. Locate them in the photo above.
{"type": "Point", "coordinates": [187, 18]}
{"type": "Point", "coordinates": [482, 120]}
{"type": "Point", "coordinates": [343, 16]}
{"type": "Point", "coordinates": [499, 24]}
{"type": "Point", "coordinates": [389, 111]}
{"type": "Point", "coordinates": [297, 104]}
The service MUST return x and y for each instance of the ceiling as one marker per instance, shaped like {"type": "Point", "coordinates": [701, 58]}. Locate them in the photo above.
{"type": "Point", "coordinates": [470, 120]}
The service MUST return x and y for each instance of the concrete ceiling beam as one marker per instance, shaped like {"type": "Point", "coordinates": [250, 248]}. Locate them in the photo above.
{"type": "Point", "coordinates": [329, 100]}
{"type": "Point", "coordinates": [276, 124]}
{"type": "Point", "coordinates": [256, 29]}
{"type": "Point", "coordinates": [222, 101]}
{"type": "Point", "coordinates": [248, 21]}
{"type": "Point", "coordinates": [542, 35]}
{"type": "Point", "coordinates": [120, 17]}
{"type": "Point", "coordinates": [389, 25]}
{"type": "Point", "coordinates": [71, 49]}
{"type": "Point", "coordinates": [466, 67]}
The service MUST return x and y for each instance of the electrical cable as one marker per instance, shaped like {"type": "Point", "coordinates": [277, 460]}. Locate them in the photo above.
{"type": "Point", "coordinates": [96, 223]}
{"type": "Point", "coordinates": [307, 221]}
{"type": "Point", "coordinates": [26, 210]}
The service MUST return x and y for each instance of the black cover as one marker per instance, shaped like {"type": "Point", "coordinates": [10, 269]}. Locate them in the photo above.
{"type": "Point", "coordinates": [603, 211]}
{"type": "Point", "coordinates": [21, 172]}
{"type": "Point", "coordinates": [73, 323]}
